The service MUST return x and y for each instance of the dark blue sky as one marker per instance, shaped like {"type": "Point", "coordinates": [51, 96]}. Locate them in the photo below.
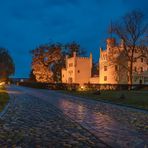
{"type": "Point", "coordinates": [25, 24]}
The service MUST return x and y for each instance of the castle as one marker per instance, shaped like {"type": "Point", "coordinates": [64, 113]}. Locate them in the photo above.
{"type": "Point", "coordinates": [116, 72]}
{"type": "Point", "coordinates": [78, 69]}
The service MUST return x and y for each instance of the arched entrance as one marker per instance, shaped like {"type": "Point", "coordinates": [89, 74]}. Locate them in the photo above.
{"type": "Point", "coordinates": [140, 81]}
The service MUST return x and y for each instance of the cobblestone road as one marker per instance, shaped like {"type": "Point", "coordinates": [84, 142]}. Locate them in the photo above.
{"type": "Point", "coordinates": [34, 118]}
{"type": "Point", "coordinates": [30, 122]}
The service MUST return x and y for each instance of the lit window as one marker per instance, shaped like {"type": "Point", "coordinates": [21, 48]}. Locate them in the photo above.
{"type": "Point", "coordinates": [105, 78]}
{"type": "Point", "coordinates": [71, 65]}
{"type": "Point", "coordinates": [105, 68]}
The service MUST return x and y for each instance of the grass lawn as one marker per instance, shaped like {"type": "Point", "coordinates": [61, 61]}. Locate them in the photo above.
{"type": "Point", "coordinates": [133, 98]}
{"type": "Point", "coordinates": [3, 98]}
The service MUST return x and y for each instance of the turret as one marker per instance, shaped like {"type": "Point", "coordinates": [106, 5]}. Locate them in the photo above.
{"type": "Point", "coordinates": [91, 58]}
{"type": "Point", "coordinates": [111, 42]}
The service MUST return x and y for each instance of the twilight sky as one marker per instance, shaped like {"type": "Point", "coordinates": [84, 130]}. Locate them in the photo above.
{"type": "Point", "coordinates": [25, 24]}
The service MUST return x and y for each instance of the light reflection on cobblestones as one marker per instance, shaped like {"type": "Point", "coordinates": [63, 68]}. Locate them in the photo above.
{"type": "Point", "coordinates": [111, 124]}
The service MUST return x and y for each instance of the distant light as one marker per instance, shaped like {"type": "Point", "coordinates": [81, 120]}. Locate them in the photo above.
{"type": "Point", "coordinates": [2, 83]}
{"type": "Point", "coordinates": [82, 88]}
{"type": "Point", "coordinates": [21, 80]}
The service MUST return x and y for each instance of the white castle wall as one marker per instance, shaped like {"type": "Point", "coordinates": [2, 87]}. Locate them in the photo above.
{"type": "Point", "coordinates": [78, 69]}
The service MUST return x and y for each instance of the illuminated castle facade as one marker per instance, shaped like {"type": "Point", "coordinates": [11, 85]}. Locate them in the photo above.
{"type": "Point", "coordinates": [78, 69]}
{"type": "Point", "coordinates": [112, 72]}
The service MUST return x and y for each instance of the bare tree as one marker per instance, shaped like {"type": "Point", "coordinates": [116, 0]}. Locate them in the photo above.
{"type": "Point", "coordinates": [133, 32]}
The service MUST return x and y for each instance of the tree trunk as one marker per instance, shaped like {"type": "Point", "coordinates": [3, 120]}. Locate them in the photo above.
{"type": "Point", "coordinates": [131, 74]}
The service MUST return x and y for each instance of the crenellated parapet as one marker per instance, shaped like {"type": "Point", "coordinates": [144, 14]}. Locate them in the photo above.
{"type": "Point", "coordinates": [83, 58]}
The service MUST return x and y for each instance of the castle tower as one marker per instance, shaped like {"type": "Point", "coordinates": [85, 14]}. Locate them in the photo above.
{"type": "Point", "coordinates": [111, 42]}
{"type": "Point", "coordinates": [107, 69]}
{"type": "Point", "coordinates": [78, 69]}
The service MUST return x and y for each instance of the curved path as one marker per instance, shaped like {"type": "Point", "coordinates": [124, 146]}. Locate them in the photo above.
{"type": "Point", "coordinates": [50, 119]}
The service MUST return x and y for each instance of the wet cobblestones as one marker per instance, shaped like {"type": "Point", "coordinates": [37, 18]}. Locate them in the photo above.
{"type": "Point", "coordinates": [116, 126]}
{"type": "Point", "coordinates": [33, 123]}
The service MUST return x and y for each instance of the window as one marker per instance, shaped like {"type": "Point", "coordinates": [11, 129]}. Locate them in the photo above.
{"type": "Point", "coordinates": [105, 78]}
{"type": "Point", "coordinates": [116, 67]}
{"type": "Point", "coordinates": [78, 71]}
{"type": "Point", "coordinates": [141, 69]}
{"type": "Point", "coordinates": [142, 60]}
{"type": "Point", "coordinates": [105, 68]}
{"type": "Point", "coordinates": [140, 81]}
{"type": "Point", "coordinates": [135, 69]}
{"type": "Point", "coordinates": [70, 72]}
{"type": "Point", "coordinates": [70, 64]}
